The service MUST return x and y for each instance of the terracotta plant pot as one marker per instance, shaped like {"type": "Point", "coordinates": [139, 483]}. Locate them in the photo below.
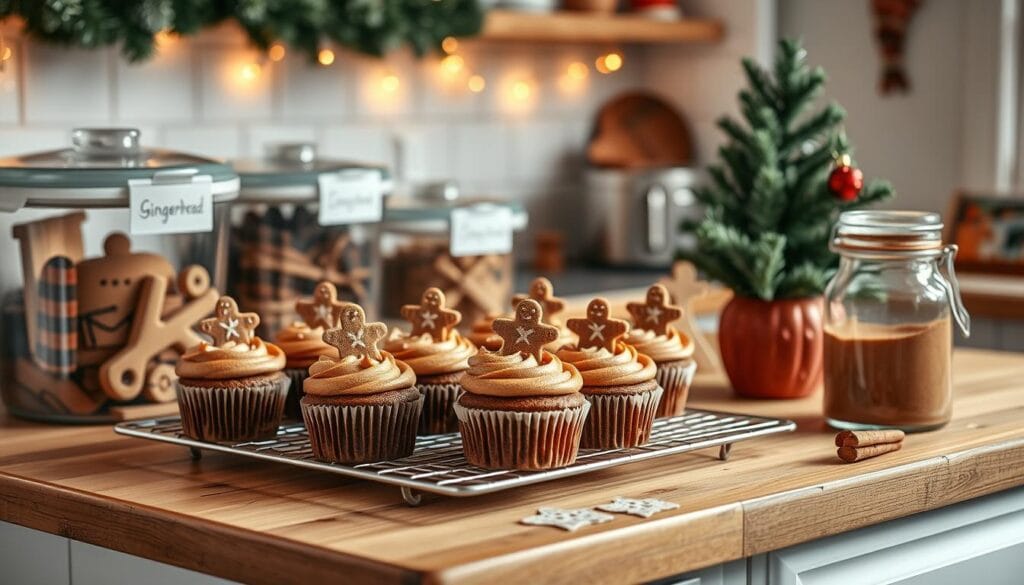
{"type": "Point", "coordinates": [772, 349]}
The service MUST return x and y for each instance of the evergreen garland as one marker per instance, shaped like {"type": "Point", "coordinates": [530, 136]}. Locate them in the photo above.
{"type": "Point", "coordinates": [769, 211]}
{"type": "Point", "coordinates": [373, 27]}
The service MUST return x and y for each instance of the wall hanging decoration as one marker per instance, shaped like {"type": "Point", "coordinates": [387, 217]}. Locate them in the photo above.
{"type": "Point", "coordinates": [373, 28]}
{"type": "Point", "coordinates": [892, 20]}
{"type": "Point", "coordinates": [770, 208]}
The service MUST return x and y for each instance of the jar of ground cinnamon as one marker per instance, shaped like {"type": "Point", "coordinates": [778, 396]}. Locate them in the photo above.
{"type": "Point", "coordinates": [889, 313]}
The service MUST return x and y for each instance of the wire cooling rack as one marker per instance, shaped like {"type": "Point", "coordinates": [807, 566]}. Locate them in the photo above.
{"type": "Point", "coordinates": [438, 466]}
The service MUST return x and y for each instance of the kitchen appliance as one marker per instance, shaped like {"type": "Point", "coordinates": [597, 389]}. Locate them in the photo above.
{"type": "Point", "coordinates": [632, 216]}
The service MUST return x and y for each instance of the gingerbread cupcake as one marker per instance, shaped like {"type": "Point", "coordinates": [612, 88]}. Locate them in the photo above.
{"type": "Point", "coordinates": [231, 389]}
{"type": "Point", "coordinates": [437, 354]}
{"type": "Point", "coordinates": [671, 350]}
{"type": "Point", "coordinates": [542, 291]}
{"type": "Point", "coordinates": [617, 381]}
{"type": "Point", "coordinates": [522, 407]}
{"type": "Point", "coordinates": [303, 341]}
{"type": "Point", "coordinates": [361, 405]}
{"type": "Point", "coordinates": [482, 335]}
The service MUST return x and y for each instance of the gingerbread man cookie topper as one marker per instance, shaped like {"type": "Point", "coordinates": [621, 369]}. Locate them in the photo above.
{"type": "Point", "coordinates": [599, 329]}
{"type": "Point", "coordinates": [542, 291]}
{"type": "Point", "coordinates": [324, 309]}
{"type": "Point", "coordinates": [227, 324]}
{"type": "Point", "coordinates": [354, 336]}
{"type": "Point", "coordinates": [526, 333]}
{"type": "Point", "coordinates": [431, 316]}
{"type": "Point", "coordinates": [654, 314]}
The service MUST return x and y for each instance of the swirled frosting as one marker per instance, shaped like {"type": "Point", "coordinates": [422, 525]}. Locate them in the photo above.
{"type": "Point", "coordinates": [427, 357]}
{"type": "Point", "coordinates": [352, 376]}
{"type": "Point", "coordinates": [600, 367]}
{"type": "Point", "coordinates": [672, 346]}
{"type": "Point", "coordinates": [303, 344]}
{"type": "Point", "coordinates": [232, 360]}
{"type": "Point", "coordinates": [513, 376]}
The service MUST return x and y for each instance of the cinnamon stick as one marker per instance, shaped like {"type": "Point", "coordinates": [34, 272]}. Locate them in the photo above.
{"type": "Point", "coordinates": [855, 454]}
{"type": "Point", "coordinates": [866, 438]}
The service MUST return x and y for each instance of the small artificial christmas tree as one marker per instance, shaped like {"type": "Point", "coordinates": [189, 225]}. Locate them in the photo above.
{"type": "Point", "coordinates": [780, 187]}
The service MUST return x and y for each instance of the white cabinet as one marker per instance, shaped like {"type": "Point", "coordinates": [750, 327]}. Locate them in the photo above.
{"type": "Point", "coordinates": [980, 541]}
{"type": "Point", "coordinates": [31, 557]}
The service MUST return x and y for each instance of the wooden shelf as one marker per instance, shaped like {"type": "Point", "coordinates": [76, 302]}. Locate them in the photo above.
{"type": "Point", "coordinates": [581, 27]}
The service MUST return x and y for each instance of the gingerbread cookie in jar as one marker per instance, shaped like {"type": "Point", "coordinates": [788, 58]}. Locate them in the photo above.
{"type": "Point", "coordinates": [301, 219]}
{"type": "Point", "coordinates": [93, 319]}
{"type": "Point", "coordinates": [890, 312]}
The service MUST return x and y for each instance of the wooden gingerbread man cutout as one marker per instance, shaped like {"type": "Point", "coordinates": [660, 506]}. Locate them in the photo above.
{"type": "Point", "coordinates": [227, 324]}
{"type": "Point", "coordinates": [526, 333]}
{"type": "Point", "coordinates": [354, 336]}
{"type": "Point", "coordinates": [431, 316]}
{"type": "Point", "coordinates": [324, 309]}
{"type": "Point", "coordinates": [542, 291]}
{"type": "Point", "coordinates": [599, 329]}
{"type": "Point", "coordinates": [654, 314]}
{"type": "Point", "coordinates": [686, 288]}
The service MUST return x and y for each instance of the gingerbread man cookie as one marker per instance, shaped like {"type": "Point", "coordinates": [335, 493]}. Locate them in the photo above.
{"type": "Point", "coordinates": [431, 316]}
{"type": "Point", "coordinates": [526, 333]}
{"type": "Point", "coordinates": [542, 291]}
{"type": "Point", "coordinates": [227, 324]}
{"type": "Point", "coordinates": [599, 329]}
{"type": "Point", "coordinates": [324, 309]}
{"type": "Point", "coordinates": [354, 336]}
{"type": "Point", "coordinates": [654, 314]}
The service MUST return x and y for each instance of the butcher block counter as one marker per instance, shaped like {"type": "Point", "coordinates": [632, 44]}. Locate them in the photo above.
{"type": "Point", "coordinates": [267, 523]}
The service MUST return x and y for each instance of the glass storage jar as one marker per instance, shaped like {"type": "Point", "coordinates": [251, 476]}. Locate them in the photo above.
{"type": "Point", "coordinates": [888, 322]}
{"type": "Point", "coordinates": [416, 247]}
{"type": "Point", "coordinates": [74, 347]}
{"type": "Point", "coordinates": [279, 248]}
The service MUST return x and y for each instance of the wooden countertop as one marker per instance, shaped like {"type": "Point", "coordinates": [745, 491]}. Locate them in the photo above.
{"type": "Point", "coordinates": [266, 523]}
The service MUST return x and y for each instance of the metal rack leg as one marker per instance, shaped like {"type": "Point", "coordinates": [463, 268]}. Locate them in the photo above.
{"type": "Point", "coordinates": [723, 451]}
{"type": "Point", "coordinates": [196, 453]}
{"type": "Point", "coordinates": [411, 497]}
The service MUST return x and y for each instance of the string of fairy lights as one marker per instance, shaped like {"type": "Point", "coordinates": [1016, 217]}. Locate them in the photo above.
{"type": "Point", "coordinates": [453, 68]}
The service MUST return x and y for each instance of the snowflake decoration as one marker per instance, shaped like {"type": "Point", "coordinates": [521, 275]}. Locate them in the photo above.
{"type": "Point", "coordinates": [644, 508]}
{"type": "Point", "coordinates": [567, 519]}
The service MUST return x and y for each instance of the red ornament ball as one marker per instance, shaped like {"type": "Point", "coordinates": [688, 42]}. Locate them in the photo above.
{"type": "Point", "coordinates": [845, 181]}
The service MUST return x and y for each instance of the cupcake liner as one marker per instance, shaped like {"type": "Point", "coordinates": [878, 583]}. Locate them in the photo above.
{"type": "Point", "coordinates": [292, 409]}
{"type": "Point", "coordinates": [497, 439]}
{"type": "Point", "coordinates": [675, 380]}
{"type": "Point", "coordinates": [234, 414]}
{"type": "Point", "coordinates": [363, 433]}
{"type": "Point", "coordinates": [620, 421]}
{"type": "Point", "coordinates": [438, 416]}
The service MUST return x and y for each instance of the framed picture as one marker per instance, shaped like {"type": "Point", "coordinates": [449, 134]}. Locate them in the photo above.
{"type": "Point", "coordinates": [989, 230]}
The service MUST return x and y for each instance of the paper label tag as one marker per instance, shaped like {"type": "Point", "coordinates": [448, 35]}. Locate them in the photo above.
{"type": "Point", "coordinates": [182, 206]}
{"type": "Point", "coordinates": [481, 229]}
{"type": "Point", "coordinates": [351, 197]}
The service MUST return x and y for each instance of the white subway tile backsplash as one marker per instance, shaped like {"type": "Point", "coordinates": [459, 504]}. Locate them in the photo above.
{"type": "Point", "coordinates": [15, 141]}
{"type": "Point", "coordinates": [66, 86]}
{"type": "Point", "coordinates": [10, 112]}
{"type": "Point", "coordinates": [234, 85]}
{"type": "Point", "coordinates": [159, 89]}
{"type": "Point", "coordinates": [260, 136]}
{"type": "Point", "coordinates": [481, 153]}
{"type": "Point", "coordinates": [386, 89]}
{"type": "Point", "coordinates": [210, 140]}
{"type": "Point", "coordinates": [444, 88]}
{"type": "Point", "coordinates": [541, 152]}
{"type": "Point", "coordinates": [371, 143]}
{"type": "Point", "coordinates": [425, 152]}
{"type": "Point", "coordinates": [312, 91]}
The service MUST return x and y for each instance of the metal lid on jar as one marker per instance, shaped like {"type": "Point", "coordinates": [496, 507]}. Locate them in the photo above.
{"type": "Point", "coordinates": [95, 170]}
{"type": "Point", "coordinates": [916, 233]}
{"type": "Point", "coordinates": [290, 173]}
{"type": "Point", "coordinates": [430, 209]}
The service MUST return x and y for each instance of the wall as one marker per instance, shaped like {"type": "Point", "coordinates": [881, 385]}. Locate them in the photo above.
{"type": "Point", "coordinates": [933, 140]}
